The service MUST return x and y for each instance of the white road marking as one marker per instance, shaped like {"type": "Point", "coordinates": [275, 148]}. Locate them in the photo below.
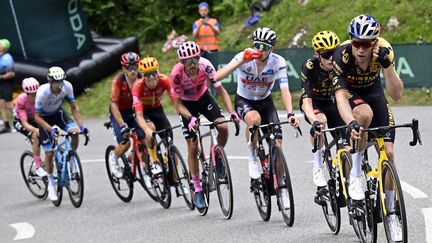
{"type": "Point", "coordinates": [427, 212]}
{"type": "Point", "coordinates": [310, 161]}
{"type": "Point", "coordinates": [413, 191]}
{"type": "Point", "coordinates": [24, 230]}
{"type": "Point", "coordinates": [103, 160]}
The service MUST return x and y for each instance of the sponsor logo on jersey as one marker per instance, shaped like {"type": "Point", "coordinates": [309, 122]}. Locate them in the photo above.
{"type": "Point", "coordinates": [268, 72]}
{"type": "Point", "coordinates": [358, 101]}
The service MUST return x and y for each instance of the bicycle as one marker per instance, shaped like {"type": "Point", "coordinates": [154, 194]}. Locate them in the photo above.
{"type": "Point", "coordinates": [215, 169]}
{"type": "Point", "coordinates": [275, 179]}
{"type": "Point", "coordinates": [68, 172]}
{"type": "Point", "coordinates": [137, 161]}
{"type": "Point", "coordinates": [174, 166]}
{"type": "Point", "coordinates": [335, 195]}
{"type": "Point", "coordinates": [382, 182]}
{"type": "Point", "coordinates": [36, 184]}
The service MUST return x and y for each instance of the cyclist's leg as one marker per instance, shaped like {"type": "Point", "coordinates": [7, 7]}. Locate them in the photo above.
{"type": "Point", "coordinates": [122, 142]}
{"type": "Point", "coordinates": [35, 144]}
{"type": "Point", "coordinates": [67, 124]}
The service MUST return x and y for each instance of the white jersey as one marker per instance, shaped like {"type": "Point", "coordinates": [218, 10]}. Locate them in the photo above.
{"type": "Point", "coordinates": [257, 86]}
{"type": "Point", "coordinates": [47, 103]}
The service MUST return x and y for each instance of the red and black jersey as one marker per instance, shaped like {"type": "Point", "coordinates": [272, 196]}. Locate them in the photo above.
{"type": "Point", "coordinates": [121, 94]}
{"type": "Point", "coordinates": [145, 98]}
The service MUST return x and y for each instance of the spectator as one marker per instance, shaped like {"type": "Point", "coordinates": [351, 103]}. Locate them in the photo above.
{"type": "Point", "coordinates": [7, 74]}
{"type": "Point", "coordinates": [206, 31]}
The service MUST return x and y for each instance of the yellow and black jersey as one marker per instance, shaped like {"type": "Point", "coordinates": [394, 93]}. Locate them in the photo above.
{"type": "Point", "coordinates": [348, 76]}
{"type": "Point", "coordinates": [316, 82]}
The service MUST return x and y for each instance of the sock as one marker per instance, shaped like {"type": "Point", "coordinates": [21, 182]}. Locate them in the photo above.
{"type": "Point", "coordinates": [356, 170]}
{"type": "Point", "coordinates": [390, 200]}
{"type": "Point", "coordinates": [51, 179]}
{"type": "Point", "coordinates": [196, 183]}
{"type": "Point", "coordinates": [37, 161]}
{"type": "Point", "coordinates": [7, 125]}
{"type": "Point", "coordinates": [252, 152]}
{"type": "Point", "coordinates": [318, 158]}
{"type": "Point", "coordinates": [152, 154]}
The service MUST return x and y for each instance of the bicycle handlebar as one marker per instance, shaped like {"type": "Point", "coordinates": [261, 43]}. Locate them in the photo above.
{"type": "Point", "coordinates": [252, 129]}
{"type": "Point", "coordinates": [211, 124]}
{"type": "Point", "coordinates": [67, 135]}
{"type": "Point", "coordinates": [355, 142]}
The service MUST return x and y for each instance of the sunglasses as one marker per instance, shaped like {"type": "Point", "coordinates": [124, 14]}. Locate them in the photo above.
{"type": "Point", "coordinates": [57, 84]}
{"type": "Point", "coordinates": [152, 73]}
{"type": "Point", "coordinates": [262, 46]}
{"type": "Point", "coordinates": [131, 67]}
{"type": "Point", "coordinates": [190, 61]}
{"type": "Point", "coordinates": [326, 55]}
{"type": "Point", "coordinates": [364, 44]}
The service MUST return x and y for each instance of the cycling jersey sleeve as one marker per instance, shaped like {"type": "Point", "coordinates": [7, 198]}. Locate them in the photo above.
{"type": "Point", "coordinates": [210, 72]}
{"type": "Point", "coordinates": [38, 99]}
{"type": "Point", "coordinates": [281, 76]}
{"type": "Point", "coordinates": [340, 63]}
{"type": "Point", "coordinates": [136, 95]}
{"type": "Point", "coordinates": [166, 85]}
{"type": "Point", "coordinates": [69, 91]}
{"type": "Point", "coordinates": [307, 67]}
{"type": "Point", "coordinates": [115, 90]}
{"type": "Point", "coordinates": [20, 107]}
{"type": "Point", "coordinates": [176, 84]}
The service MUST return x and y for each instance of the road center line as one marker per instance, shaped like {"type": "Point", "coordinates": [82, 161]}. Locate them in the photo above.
{"type": "Point", "coordinates": [413, 191]}
{"type": "Point", "coordinates": [24, 230]}
{"type": "Point", "coordinates": [427, 212]}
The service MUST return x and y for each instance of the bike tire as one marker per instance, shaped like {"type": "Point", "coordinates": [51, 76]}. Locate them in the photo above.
{"type": "Point", "coordinates": [182, 175]}
{"type": "Point", "coordinates": [76, 176]}
{"type": "Point", "coordinates": [58, 185]}
{"type": "Point", "coordinates": [367, 225]}
{"type": "Point", "coordinates": [150, 189]}
{"type": "Point", "coordinates": [163, 189]}
{"type": "Point", "coordinates": [223, 181]}
{"type": "Point", "coordinates": [389, 171]}
{"type": "Point", "coordinates": [261, 195]}
{"type": "Point", "coordinates": [123, 187]}
{"type": "Point", "coordinates": [205, 187]}
{"type": "Point", "coordinates": [331, 210]}
{"type": "Point", "coordinates": [284, 188]}
{"type": "Point", "coordinates": [37, 185]}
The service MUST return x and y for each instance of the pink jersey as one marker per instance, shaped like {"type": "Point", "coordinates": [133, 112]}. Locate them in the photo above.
{"type": "Point", "coordinates": [186, 89]}
{"type": "Point", "coordinates": [24, 108]}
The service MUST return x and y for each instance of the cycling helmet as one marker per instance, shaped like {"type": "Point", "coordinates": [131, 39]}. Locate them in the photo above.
{"type": "Point", "coordinates": [129, 58]}
{"type": "Point", "coordinates": [364, 27]}
{"type": "Point", "coordinates": [325, 41]}
{"type": "Point", "coordinates": [5, 43]}
{"type": "Point", "coordinates": [30, 85]}
{"type": "Point", "coordinates": [148, 64]}
{"type": "Point", "coordinates": [265, 35]}
{"type": "Point", "coordinates": [188, 49]}
{"type": "Point", "coordinates": [56, 74]}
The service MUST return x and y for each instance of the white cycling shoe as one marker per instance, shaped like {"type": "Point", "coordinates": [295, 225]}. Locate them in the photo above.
{"type": "Point", "coordinates": [115, 167]}
{"type": "Point", "coordinates": [356, 188]}
{"type": "Point", "coordinates": [255, 169]}
{"type": "Point", "coordinates": [155, 168]}
{"type": "Point", "coordinates": [318, 177]}
{"type": "Point", "coordinates": [52, 192]}
{"type": "Point", "coordinates": [41, 172]}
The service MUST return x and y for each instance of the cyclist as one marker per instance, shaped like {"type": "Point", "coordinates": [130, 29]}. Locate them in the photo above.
{"type": "Point", "coordinates": [316, 100]}
{"type": "Point", "coordinates": [191, 98]}
{"type": "Point", "coordinates": [49, 112]}
{"type": "Point", "coordinates": [150, 116]}
{"type": "Point", "coordinates": [121, 111]}
{"type": "Point", "coordinates": [257, 71]}
{"type": "Point", "coordinates": [359, 94]}
{"type": "Point", "coordinates": [24, 119]}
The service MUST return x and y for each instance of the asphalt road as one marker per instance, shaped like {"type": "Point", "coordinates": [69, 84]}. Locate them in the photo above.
{"type": "Point", "coordinates": [104, 218]}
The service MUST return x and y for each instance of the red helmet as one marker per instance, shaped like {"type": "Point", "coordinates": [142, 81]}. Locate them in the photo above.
{"type": "Point", "coordinates": [30, 85]}
{"type": "Point", "coordinates": [129, 58]}
{"type": "Point", "coordinates": [188, 50]}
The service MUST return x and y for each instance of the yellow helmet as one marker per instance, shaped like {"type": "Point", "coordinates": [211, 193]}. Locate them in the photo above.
{"type": "Point", "coordinates": [148, 64]}
{"type": "Point", "coordinates": [325, 41]}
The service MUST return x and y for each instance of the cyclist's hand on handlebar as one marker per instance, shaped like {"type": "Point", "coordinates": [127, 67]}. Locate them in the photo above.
{"type": "Point", "coordinates": [315, 129]}
{"type": "Point", "coordinates": [354, 130]}
{"type": "Point", "coordinates": [192, 123]}
{"type": "Point", "coordinates": [233, 115]}
{"type": "Point", "coordinates": [148, 133]}
{"type": "Point", "coordinates": [124, 130]}
{"type": "Point", "coordinates": [54, 132]}
{"type": "Point", "coordinates": [295, 122]}
{"type": "Point", "coordinates": [83, 129]}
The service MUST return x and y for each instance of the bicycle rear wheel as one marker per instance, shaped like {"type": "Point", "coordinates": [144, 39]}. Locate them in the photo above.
{"type": "Point", "coordinates": [329, 200]}
{"type": "Point", "coordinates": [182, 176]}
{"type": "Point", "coordinates": [282, 182]}
{"type": "Point", "coordinates": [395, 221]}
{"type": "Point", "coordinates": [37, 185]}
{"type": "Point", "coordinates": [162, 188]}
{"type": "Point", "coordinates": [76, 178]}
{"type": "Point", "coordinates": [223, 181]}
{"type": "Point", "coordinates": [367, 224]}
{"type": "Point", "coordinates": [123, 187]}
{"type": "Point", "coordinates": [262, 197]}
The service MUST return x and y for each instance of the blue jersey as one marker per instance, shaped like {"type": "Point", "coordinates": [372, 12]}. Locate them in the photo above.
{"type": "Point", "coordinates": [6, 63]}
{"type": "Point", "coordinates": [47, 103]}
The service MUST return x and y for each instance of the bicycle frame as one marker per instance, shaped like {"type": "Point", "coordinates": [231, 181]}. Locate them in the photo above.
{"type": "Point", "coordinates": [213, 142]}
{"type": "Point", "coordinates": [136, 150]}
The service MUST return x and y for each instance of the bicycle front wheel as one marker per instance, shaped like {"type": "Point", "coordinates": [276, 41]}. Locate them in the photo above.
{"type": "Point", "coordinates": [223, 181]}
{"type": "Point", "coordinates": [282, 183]}
{"type": "Point", "coordinates": [394, 217]}
{"type": "Point", "coordinates": [163, 189]}
{"type": "Point", "coordinates": [145, 180]}
{"type": "Point", "coordinates": [328, 200]}
{"type": "Point", "coordinates": [122, 186]}
{"type": "Point", "coordinates": [181, 173]}
{"type": "Point", "coordinates": [76, 178]}
{"type": "Point", "coordinates": [205, 187]}
{"type": "Point", "coordinates": [37, 185]}
{"type": "Point", "coordinates": [58, 181]}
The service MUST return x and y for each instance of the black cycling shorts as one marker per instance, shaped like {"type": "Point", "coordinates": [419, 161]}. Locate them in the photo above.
{"type": "Point", "coordinates": [62, 120]}
{"type": "Point", "coordinates": [128, 117]}
{"type": "Point", "coordinates": [206, 105]}
{"type": "Point", "coordinates": [21, 129]}
{"type": "Point", "coordinates": [382, 113]}
{"type": "Point", "coordinates": [265, 108]}
{"type": "Point", "coordinates": [329, 109]}
{"type": "Point", "coordinates": [159, 119]}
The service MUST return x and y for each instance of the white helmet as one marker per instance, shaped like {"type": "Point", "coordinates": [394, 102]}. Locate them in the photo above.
{"type": "Point", "coordinates": [265, 35]}
{"type": "Point", "coordinates": [56, 74]}
{"type": "Point", "coordinates": [364, 27]}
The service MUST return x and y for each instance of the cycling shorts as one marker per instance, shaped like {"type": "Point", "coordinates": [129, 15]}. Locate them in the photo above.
{"type": "Point", "coordinates": [329, 109]}
{"type": "Point", "coordinates": [382, 113]}
{"type": "Point", "coordinates": [128, 117]}
{"type": "Point", "coordinates": [206, 105]}
{"type": "Point", "coordinates": [159, 119]}
{"type": "Point", "coordinates": [6, 90]}
{"type": "Point", "coordinates": [21, 129]}
{"type": "Point", "coordinates": [62, 120]}
{"type": "Point", "coordinates": [264, 107]}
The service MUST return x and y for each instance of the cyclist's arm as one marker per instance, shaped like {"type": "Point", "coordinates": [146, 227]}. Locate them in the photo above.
{"type": "Point", "coordinates": [225, 98]}
{"type": "Point", "coordinates": [394, 84]}
{"type": "Point", "coordinates": [28, 126]}
{"type": "Point", "coordinates": [139, 117]}
{"type": "Point", "coordinates": [181, 109]}
{"type": "Point", "coordinates": [8, 75]}
{"type": "Point", "coordinates": [230, 67]}
{"type": "Point", "coordinates": [76, 113]}
{"type": "Point", "coordinates": [343, 106]}
{"type": "Point", "coordinates": [307, 108]}
{"type": "Point", "coordinates": [115, 111]}
{"type": "Point", "coordinates": [116, 114]}
{"type": "Point", "coordinates": [42, 122]}
{"type": "Point", "coordinates": [286, 99]}
{"type": "Point", "coordinates": [306, 94]}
